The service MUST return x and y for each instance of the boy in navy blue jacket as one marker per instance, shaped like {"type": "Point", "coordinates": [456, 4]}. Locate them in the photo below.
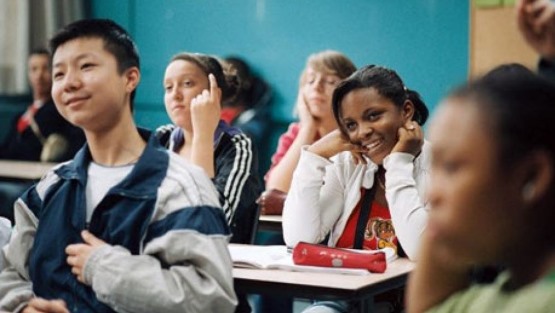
{"type": "Point", "coordinates": [125, 226]}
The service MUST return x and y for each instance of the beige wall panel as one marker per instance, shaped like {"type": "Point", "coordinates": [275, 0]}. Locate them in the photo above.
{"type": "Point", "coordinates": [495, 39]}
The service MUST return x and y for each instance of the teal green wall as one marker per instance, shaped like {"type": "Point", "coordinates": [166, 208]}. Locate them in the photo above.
{"type": "Point", "coordinates": [426, 41]}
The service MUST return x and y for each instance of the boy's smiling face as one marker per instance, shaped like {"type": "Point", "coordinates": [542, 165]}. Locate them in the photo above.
{"type": "Point", "coordinates": [87, 88]}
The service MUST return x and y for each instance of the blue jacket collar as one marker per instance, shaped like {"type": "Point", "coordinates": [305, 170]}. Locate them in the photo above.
{"type": "Point", "coordinates": [149, 170]}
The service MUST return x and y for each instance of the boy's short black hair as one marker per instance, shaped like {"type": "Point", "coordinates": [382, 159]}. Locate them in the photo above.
{"type": "Point", "coordinates": [116, 39]}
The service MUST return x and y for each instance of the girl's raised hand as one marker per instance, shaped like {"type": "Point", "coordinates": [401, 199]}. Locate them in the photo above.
{"type": "Point", "coordinates": [410, 139]}
{"type": "Point", "coordinates": [536, 21]}
{"type": "Point", "coordinates": [205, 109]}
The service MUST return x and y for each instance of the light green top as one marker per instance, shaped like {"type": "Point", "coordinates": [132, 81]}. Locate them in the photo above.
{"type": "Point", "coordinates": [534, 298]}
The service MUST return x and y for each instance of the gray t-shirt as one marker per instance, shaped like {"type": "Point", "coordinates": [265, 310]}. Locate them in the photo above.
{"type": "Point", "coordinates": [100, 180]}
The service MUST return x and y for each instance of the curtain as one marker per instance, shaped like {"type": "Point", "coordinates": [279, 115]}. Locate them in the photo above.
{"type": "Point", "coordinates": [26, 25]}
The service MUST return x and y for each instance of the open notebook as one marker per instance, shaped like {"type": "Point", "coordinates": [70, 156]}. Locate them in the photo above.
{"type": "Point", "coordinates": [277, 257]}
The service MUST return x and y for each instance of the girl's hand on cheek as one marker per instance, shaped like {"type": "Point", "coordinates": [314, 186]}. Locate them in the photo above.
{"type": "Point", "coordinates": [358, 153]}
{"type": "Point", "coordinates": [332, 144]}
{"type": "Point", "coordinates": [306, 118]}
{"type": "Point", "coordinates": [410, 139]}
{"type": "Point", "coordinates": [205, 109]}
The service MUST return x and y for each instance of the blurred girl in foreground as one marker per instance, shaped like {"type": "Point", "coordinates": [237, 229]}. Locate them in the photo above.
{"type": "Point", "coordinates": [492, 198]}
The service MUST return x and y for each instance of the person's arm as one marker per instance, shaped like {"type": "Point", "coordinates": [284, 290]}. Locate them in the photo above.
{"type": "Point", "coordinates": [16, 288]}
{"type": "Point", "coordinates": [184, 266]}
{"type": "Point", "coordinates": [316, 198]}
{"type": "Point", "coordinates": [409, 214]}
{"type": "Point", "coordinates": [40, 305]}
{"type": "Point", "coordinates": [202, 153]}
{"type": "Point", "coordinates": [180, 271]}
{"type": "Point", "coordinates": [312, 206]}
{"type": "Point", "coordinates": [282, 172]}
{"type": "Point", "coordinates": [536, 21]}
{"type": "Point", "coordinates": [436, 277]}
{"type": "Point", "coordinates": [236, 176]}
{"type": "Point", "coordinates": [284, 143]}
{"type": "Point", "coordinates": [205, 116]}
{"type": "Point", "coordinates": [5, 234]}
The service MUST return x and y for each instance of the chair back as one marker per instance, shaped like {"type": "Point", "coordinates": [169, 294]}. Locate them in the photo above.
{"type": "Point", "coordinates": [271, 202]}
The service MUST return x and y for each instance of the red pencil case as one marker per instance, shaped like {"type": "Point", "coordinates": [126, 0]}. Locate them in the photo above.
{"type": "Point", "coordinates": [321, 255]}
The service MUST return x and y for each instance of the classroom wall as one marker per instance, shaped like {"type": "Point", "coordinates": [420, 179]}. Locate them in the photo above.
{"type": "Point", "coordinates": [426, 41]}
{"type": "Point", "coordinates": [495, 39]}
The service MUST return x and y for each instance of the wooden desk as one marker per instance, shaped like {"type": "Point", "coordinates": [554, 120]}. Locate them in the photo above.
{"type": "Point", "coordinates": [24, 169]}
{"type": "Point", "coordinates": [270, 223]}
{"type": "Point", "coordinates": [322, 286]}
